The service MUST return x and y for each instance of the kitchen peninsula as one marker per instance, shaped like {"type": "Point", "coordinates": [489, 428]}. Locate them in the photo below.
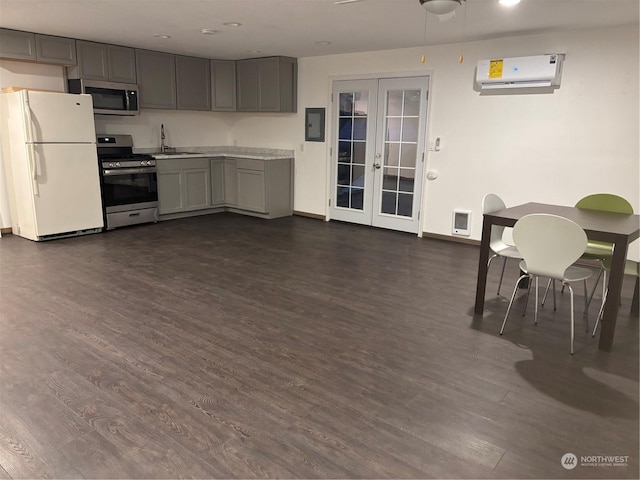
{"type": "Point", "coordinates": [206, 180]}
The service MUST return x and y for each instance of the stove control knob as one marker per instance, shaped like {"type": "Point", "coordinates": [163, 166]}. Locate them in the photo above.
{"type": "Point", "coordinates": [117, 164]}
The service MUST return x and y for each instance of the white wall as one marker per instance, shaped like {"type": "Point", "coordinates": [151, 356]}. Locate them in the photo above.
{"type": "Point", "coordinates": [552, 147]}
{"type": "Point", "coordinates": [31, 75]}
{"type": "Point", "coordinates": [182, 128]}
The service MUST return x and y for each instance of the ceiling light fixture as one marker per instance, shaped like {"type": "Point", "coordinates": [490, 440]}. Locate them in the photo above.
{"type": "Point", "coordinates": [209, 31]}
{"type": "Point", "coordinates": [508, 3]}
{"type": "Point", "coordinates": [323, 42]}
{"type": "Point", "coordinates": [162, 35]}
{"type": "Point", "coordinates": [232, 24]}
{"type": "Point", "coordinates": [440, 7]}
{"type": "Point", "coordinates": [342, 2]}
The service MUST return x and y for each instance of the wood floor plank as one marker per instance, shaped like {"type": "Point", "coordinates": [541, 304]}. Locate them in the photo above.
{"type": "Point", "coordinates": [232, 347]}
{"type": "Point", "coordinates": [26, 450]}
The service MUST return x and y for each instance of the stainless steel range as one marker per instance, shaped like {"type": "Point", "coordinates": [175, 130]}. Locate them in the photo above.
{"type": "Point", "coordinates": [128, 182]}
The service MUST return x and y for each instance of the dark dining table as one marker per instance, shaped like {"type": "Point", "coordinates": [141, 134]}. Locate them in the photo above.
{"type": "Point", "coordinates": [617, 228]}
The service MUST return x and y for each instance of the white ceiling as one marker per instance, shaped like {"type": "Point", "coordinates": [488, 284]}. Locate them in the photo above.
{"type": "Point", "coordinates": [293, 27]}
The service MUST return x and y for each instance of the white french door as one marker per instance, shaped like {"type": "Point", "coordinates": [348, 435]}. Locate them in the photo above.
{"type": "Point", "coordinates": [378, 140]}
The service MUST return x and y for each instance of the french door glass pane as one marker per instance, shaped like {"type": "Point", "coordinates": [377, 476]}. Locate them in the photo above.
{"type": "Point", "coordinates": [400, 150]}
{"type": "Point", "coordinates": [359, 150]}
{"type": "Point", "coordinates": [352, 136]}
{"type": "Point", "coordinates": [391, 154]}
{"type": "Point", "coordinates": [411, 103]}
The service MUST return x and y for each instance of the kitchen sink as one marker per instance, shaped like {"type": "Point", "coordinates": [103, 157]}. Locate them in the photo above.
{"type": "Point", "coordinates": [174, 153]}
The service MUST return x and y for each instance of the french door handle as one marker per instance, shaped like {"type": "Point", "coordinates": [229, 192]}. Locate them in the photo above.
{"type": "Point", "coordinates": [376, 166]}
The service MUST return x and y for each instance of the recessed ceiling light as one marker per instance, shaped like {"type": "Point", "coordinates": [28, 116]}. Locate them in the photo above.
{"type": "Point", "coordinates": [342, 2]}
{"type": "Point", "coordinates": [162, 35]}
{"type": "Point", "coordinates": [254, 51]}
{"type": "Point", "coordinates": [209, 31]}
{"type": "Point", "coordinates": [508, 3]}
{"type": "Point", "coordinates": [324, 42]}
{"type": "Point", "coordinates": [232, 24]}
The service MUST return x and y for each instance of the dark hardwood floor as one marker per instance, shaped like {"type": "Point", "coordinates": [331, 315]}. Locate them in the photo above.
{"type": "Point", "coordinates": [226, 346]}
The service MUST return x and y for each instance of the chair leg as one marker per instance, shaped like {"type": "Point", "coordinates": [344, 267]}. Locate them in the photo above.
{"type": "Point", "coordinates": [526, 300]}
{"type": "Point", "coordinates": [504, 264]}
{"type": "Point", "coordinates": [635, 301]}
{"type": "Point", "coordinates": [513, 295]}
{"type": "Point", "coordinates": [595, 327]}
{"type": "Point", "coordinates": [586, 308]}
{"type": "Point", "coordinates": [572, 317]}
{"type": "Point", "coordinates": [552, 283]}
{"type": "Point", "coordinates": [535, 311]}
{"type": "Point", "coordinates": [546, 291]}
{"type": "Point", "coordinates": [595, 285]}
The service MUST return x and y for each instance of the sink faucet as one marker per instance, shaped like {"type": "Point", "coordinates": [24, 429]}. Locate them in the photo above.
{"type": "Point", "coordinates": [163, 147]}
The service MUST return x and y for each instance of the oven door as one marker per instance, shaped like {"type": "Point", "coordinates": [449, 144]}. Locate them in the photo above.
{"type": "Point", "coordinates": [125, 189]}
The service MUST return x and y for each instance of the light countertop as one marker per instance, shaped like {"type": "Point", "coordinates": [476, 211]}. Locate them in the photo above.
{"type": "Point", "coordinates": [219, 151]}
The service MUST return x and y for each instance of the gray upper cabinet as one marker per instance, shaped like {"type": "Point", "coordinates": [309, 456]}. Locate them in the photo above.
{"type": "Point", "coordinates": [267, 84]}
{"type": "Point", "coordinates": [223, 85]}
{"type": "Point", "coordinates": [122, 64]}
{"type": "Point", "coordinates": [109, 63]}
{"type": "Point", "coordinates": [193, 83]}
{"type": "Point", "coordinates": [92, 61]}
{"type": "Point", "coordinates": [19, 45]}
{"type": "Point", "coordinates": [58, 50]}
{"type": "Point", "coordinates": [247, 84]}
{"type": "Point", "coordinates": [156, 79]}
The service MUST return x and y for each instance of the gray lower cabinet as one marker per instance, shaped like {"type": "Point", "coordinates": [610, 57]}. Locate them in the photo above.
{"type": "Point", "coordinates": [170, 190]}
{"type": "Point", "coordinates": [196, 181]}
{"type": "Point", "coordinates": [267, 84]}
{"type": "Point", "coordinates": [265, 186]}
{"type": "Point", "coordinates": [230, 182]}
{"type": "Point", "coordinates": [223, 85]}
{"type": "Point", "coordinates": [18, 45]}
{"type": "Point", "coordinates": [251, 185]}
{"type": "Point", "coordinates": [224, 183]}
{"type": "Point", "coordinates": [217, 182]}
{"type": "Point", "coordinates": [262, 188]}
{"type": "Point", "coordinates": [183, 185]}
{"type": "Point", "coordinates": [156, 79]}
{"type": "Point", "coordinates": [193, 83]}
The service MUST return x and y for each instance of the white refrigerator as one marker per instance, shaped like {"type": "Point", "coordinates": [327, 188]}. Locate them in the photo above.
{"type": "Point", "coordinates": [51, 164]}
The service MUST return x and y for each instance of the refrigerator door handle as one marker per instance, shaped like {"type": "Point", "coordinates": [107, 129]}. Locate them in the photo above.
{"type": "Point", "coordinates": [26, 115]}
{"type": "Point", "coordinates": [34, 169]}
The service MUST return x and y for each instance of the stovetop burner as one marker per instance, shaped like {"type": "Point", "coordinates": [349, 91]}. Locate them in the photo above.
{"type": "Point", "coordinates": [124, 156]}
{"type": "Point", "coordinates": [118, 148]}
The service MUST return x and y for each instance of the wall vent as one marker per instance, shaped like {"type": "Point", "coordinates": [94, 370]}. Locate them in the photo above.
{"type": "Point", "coordinates": [461, 222]}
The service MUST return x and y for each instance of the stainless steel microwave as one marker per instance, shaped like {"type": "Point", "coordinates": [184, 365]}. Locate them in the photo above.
{"type": "Point", "coordinates": [109, 98]}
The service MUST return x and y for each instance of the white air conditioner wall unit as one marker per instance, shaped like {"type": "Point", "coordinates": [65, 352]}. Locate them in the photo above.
{"type": "Point", "coordinates": [520, 72]}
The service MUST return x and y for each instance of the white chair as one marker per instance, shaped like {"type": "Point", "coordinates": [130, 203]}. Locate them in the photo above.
{"type": "Point", "coordinates": [492, 203]}
{"type": "Point", "coordinates": [550, 244]}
